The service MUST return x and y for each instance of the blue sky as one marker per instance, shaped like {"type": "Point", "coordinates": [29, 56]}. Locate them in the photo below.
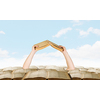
{"type": "Point", "coordinates": [18, 36]}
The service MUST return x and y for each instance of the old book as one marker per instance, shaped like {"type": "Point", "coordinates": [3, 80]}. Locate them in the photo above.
{"type": "Point", "coordinates": [1, 71]}
{"type": "Point", "coordinates": [91, 70]}
{"type": "Point", "coordinates": [98, 71]}
{"type": "Point", "coordinates": [74, 71]}
{"type": "Point", "coordinates": [79, 67]}
{"type": "Point", "coordinates": [52, 67]}
{"type": "Point", "coordinates": [84, 74]}
{"type": "Point", "coordinates": [83, 69]}
{"type": "Point", "coordinates": [47, 43]}
{"type": "Point", "coordinates": [76, 76]}
{"type": "Point", "coordinates": [87, 76]}
{"type": "Point", "coordinates": [42, 45]}
{"type": "Point", "coordinates": [33, 67]}
{"type": "Point", "coordinates": [41, 67]}
{"type": "Point", "coordinates": [26, 75]}
{"type": "Point", "coordinates": [57, 75]}
{"type": "Point", "coordinates": [36, 75]}
{"type": "Point", "coordinates": [62, 68]}
{"type": "Point", "coordinates": [17, 76]}
{"type": "Point", "coordinates": [98, 75]}
{"type": "Point", "coordinates": [95, 76]}
{"type": "Point", "coordinates": [10, 68]}
{"type": "Point", "coordinates": [6, 76]}
{"type": "Point", "coordinates": [48, 74]}
{"type": "Point", "coordinates": [55, 46]}
{"type": "Point", "coordinates": [21, 70]}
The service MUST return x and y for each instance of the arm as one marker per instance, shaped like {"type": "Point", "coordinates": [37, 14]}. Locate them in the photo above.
{"type": "Point", "coordinates": [69, 62]}
{"type": "Point", "coordinates": [29, 58]}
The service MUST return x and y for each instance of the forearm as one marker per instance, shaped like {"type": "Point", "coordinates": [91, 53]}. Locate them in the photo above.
{"type": "Point", "coordinates": [69, 61]}
{"type": "Point", "coordinates": [28, 60]}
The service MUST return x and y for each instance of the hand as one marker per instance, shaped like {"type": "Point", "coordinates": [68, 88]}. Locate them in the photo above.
{"type": "Point", "coordinates": [64, 49]}
{"type": "Point", "coordinates": [34, 48]}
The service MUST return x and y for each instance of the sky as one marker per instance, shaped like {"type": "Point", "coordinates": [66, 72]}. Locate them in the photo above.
{"type": "Point", "coordinates": [80, 37]}
{"type": "Point", "coordinates": [71, 23]}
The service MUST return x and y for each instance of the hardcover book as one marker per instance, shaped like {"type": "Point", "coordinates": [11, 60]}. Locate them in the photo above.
{"type": "Point", "coordinates": [47, 43]}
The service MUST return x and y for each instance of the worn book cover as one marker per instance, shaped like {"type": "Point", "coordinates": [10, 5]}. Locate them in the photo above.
{"type": "Point", "coordinates": [47, 43]}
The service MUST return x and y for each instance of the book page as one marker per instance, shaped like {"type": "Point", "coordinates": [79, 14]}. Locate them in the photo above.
{"type": "Point", "coordinates": [6, 75]}
{"type": "Point", "coordinates": [57, 75]}
{"type": "Point", "coordinates": [39, 74]}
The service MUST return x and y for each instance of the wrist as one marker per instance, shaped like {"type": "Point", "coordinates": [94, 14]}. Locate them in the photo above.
{"type": "Point", "coordinates": [64, 52]}
{"type": "Point", "coordinates": [33, 51]}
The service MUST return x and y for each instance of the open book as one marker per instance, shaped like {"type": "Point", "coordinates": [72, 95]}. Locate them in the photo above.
{"type": "Point", "coordinates": [47, 43]}
{"type": "Point", "coordinates": [84, 74]}
{"type": "Point", "coordinates": [43, 74]}
{"type": "Point", "coordinates": [49, 73]}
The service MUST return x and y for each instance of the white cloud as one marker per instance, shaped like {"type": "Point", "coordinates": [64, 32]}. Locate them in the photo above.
{"type": "Point", "coordinates": [1, 32]}
{"type": "Point", "coordinates": [63, 31]}
{"type": "Point", "coordinates": [3, 53]}
{"type": "Point", "coordinates": [86, 55]}
{"type": "Point", "coordinates": [14, 53]}
{"type": "Point", "coordinates": [11, 62]}
{"type": "Point", "coordinates": [91, 29]}
{"type": "Point", "coordinates": [53, 58]}
{"type": "Point", "coordinates": [87, 51]}
{"type": "Point", "coordinates": [96, 31]}
{"type": "Point", "coordinates": [77, 22]}
{"type": "Point", "coordinates": [84, 33]}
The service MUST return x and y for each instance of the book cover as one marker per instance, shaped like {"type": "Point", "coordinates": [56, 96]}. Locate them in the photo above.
{"type": "Point", "coordinates": [47, 43]}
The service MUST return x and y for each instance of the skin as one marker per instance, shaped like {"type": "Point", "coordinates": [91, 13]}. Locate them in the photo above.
{"type": "Point", "coordinates": [29, 58]}
{"type": "Point", "coordinates": [69, 62]}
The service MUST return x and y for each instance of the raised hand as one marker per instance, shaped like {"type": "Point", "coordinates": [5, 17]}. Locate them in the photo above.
{"type": "Point", "coordinates": [34, 48]}
{"type": "Point", "coordinates": [64, 49]}
{"type": "Point", "coordinates": [69, 62]}
{"type": "Point", "coordinates": [29, 58]}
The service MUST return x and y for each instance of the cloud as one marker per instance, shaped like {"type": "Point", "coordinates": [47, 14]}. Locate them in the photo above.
{"type": "Point", "coordinates": [77, 22]}
{"type": "Point", "coordinates": [83, 33]}
{"type": "Point", "coordinates": [11, 62]}
{"type": "Point", "coordinates": [86, 55]}
{"type": "Point", "coordinates": [63, 31]}
{"type": "Point", "coordinates": [1, 32]}
{"type": "Point", "coordinates": [87, 51]}
{"type": "Point", "coordinates": [3, 53]}
{"type": "Point", "coordinates": [53, 58]}
{"type": "Point", "coordinates": [91, 29]}
{"type": "Point", "coordinates": [96, 31]}
{"type": "Point", "coordinates": [14, 53]}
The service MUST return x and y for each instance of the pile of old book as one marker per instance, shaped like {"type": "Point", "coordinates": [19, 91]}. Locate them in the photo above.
{"type": "Point", "coordinates": [49, 73]}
